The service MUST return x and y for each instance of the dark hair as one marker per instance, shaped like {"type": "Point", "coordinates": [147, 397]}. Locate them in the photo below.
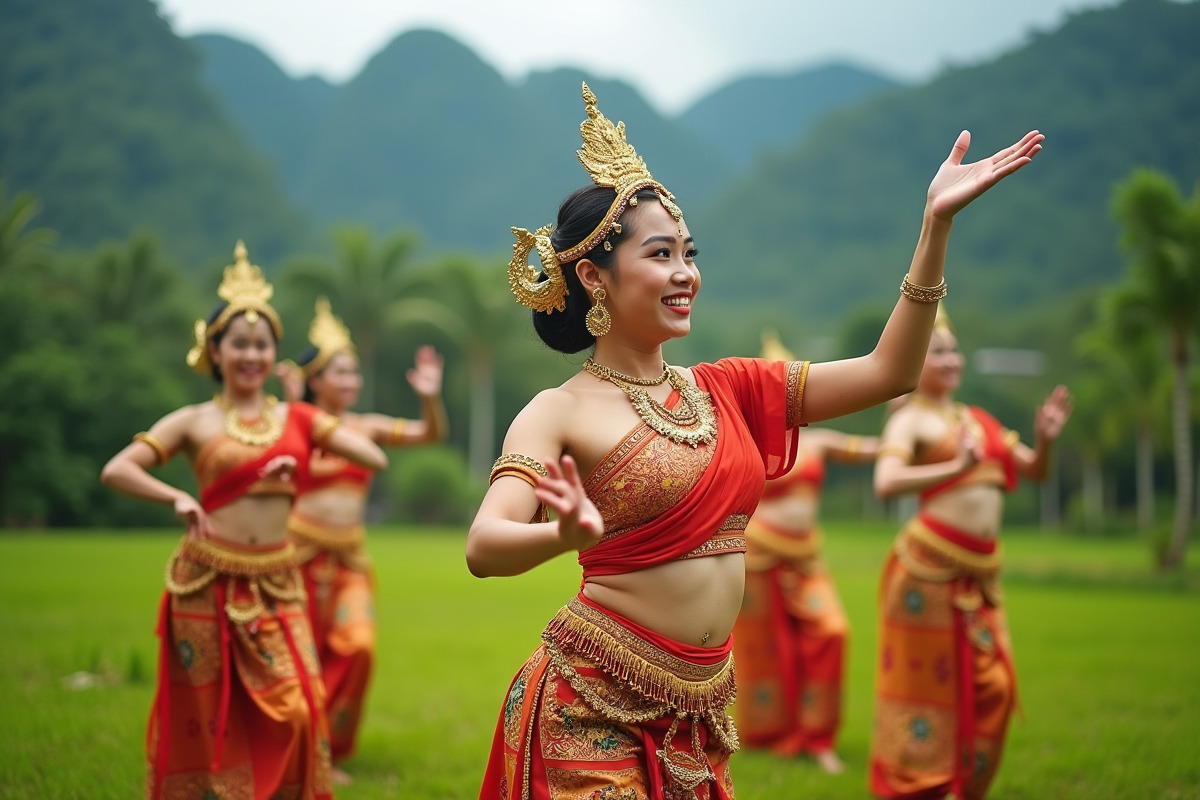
{"type": "Point", "coordinates": [304, 359]}
{"type": "Point", "coordinates": [219, 335]}
{"type": "Point", "coordinates": [578, 216]}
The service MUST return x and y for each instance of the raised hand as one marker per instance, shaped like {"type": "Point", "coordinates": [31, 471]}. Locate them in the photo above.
{"type": "Point", "coordinates": [956, 184]}
{"type": "Point", "coordinates": [292, 377]}
{"type": "Point", "coordinates": [192, 514]}
{"type": "Point", "coordinates": [579, 522]}
{"type": "Point", "coordinates": [426, 377]}
{"type": "Point", "coordinates": [1052, 415]}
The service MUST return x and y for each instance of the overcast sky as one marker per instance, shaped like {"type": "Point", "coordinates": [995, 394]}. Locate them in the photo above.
{"type": "Point", "coordinates": [673, 51]}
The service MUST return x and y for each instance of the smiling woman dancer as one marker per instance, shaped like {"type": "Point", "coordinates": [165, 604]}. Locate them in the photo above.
{"type": "Point", "coordinates": [652, 472]}
{"type": "Point", "coordinates": [944, 685]}
{"type": "Point", "coordinates": [238, 708]}
{"type": "Point", "coordinates": [790, 637]}
{"type": "Point", "coordinates": [327, 520]}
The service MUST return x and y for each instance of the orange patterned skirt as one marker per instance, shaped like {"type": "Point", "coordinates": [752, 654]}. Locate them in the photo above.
{"type": "Point", "coordinates": [341, 606]}
{"type": "Point", "coordinates": [607, 709]}
{"type": "Point", "coordinates": [945, 686]}
{"type": "Point", "coordinates": [238, 709]}
{"type": "Point", "coordinates": [790, 644]}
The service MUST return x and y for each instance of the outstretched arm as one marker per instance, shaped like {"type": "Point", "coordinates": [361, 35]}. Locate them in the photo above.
{"type": "Point", "coordinates": [842, 387]}
{"type": "Point", "coordinates": [1048, 423]}
{"type": "Point", "coordinates": [426, 380]}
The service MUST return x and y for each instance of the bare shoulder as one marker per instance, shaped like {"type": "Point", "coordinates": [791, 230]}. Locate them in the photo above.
{"type": "Point", "coordinates": [542, 420]}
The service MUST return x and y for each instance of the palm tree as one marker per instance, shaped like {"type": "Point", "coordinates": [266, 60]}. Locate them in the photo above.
{"type": "Point", "coordinates": [363, 283]}
{"type": "Point", "coordinates": [478, 314]}
{"type": "Point", "coordinates": [1161, 233]}
{"type": "Point", "coordinates": [19, 246]}
{"type": "Point", "coordinates": [1127, 370]}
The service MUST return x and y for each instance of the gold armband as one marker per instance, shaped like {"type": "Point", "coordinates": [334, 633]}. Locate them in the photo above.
{"type": "Point", "coordinates": [797, 378]}
{"type": "Point", "coordinates": [160, 449]}
{"type": "Point", "coordinates": [396, 435]}
{"type": "Point", "coordinates": [922, 294]}
{"type": "Point", "coordinates": [895, 450]}
{"type": "Point", "coordinates": [324, 424]}
{"type": "Point", "coordinates": [852, 445]}
{"type": "Point", "coordinates": [527, 469]}
{"type": "Point", "coordinates": [1011, 438]}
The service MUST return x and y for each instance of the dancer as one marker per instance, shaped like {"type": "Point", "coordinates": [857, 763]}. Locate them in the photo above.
{"type": "Point", "coordinates": [238, 709]}
{"type": "Point", "coordinates": [652, 472]}
{"type": "Point", "coordinates": [944, 685]}
{"type": "Point", "coordinates": [790, 637]}
{"type": "Point", "coordinates": [326, 522]}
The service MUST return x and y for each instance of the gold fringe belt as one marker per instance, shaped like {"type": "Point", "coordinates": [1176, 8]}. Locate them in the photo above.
{"type": "Point", "coordinates": [956, 561]}
{"type": "Point", "coordinates": [272, 572]}
{"type": "Point", "coordinates": [335, 538]}
{"type": "Point", "coordinates": [785, 545]}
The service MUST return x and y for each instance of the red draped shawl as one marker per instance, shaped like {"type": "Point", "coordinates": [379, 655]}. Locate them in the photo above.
{"type": "Point", "coordinates": [758, 405]}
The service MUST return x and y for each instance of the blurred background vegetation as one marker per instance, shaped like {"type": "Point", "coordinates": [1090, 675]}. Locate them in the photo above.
{"type": "Point", "coordinates": [131, 162]}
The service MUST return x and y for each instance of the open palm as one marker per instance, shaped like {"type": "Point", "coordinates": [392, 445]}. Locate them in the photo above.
{"type": "Point", "coordinates": [956, 184]}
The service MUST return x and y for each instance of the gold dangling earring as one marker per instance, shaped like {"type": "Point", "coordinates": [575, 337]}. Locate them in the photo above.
{"type": "Point", "coordinates": [598, 322]}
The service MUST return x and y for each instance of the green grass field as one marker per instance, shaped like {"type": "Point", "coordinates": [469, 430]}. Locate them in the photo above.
{"type": "Point", "coordinates": [1108, 659]}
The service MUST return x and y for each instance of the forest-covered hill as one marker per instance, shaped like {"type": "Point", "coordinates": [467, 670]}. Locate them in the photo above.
{"type": "Point", "coordinates": [107, 120]}
{"type": "Point", "coordinates": [831, 222]}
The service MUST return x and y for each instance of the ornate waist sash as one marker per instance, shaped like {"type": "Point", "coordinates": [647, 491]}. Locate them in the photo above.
{"type": "Point", "coordinates": [939, 553]}
{"type": "Point", "coordinates": [310, 534]}
{"type": "Point", "coordinates": [783, 544]}
{"type": "Point", "coordinates": [268, 570]}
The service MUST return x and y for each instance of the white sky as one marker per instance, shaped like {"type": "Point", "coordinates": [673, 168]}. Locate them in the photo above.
{"type": "Point", "coordinates": [673, 51]}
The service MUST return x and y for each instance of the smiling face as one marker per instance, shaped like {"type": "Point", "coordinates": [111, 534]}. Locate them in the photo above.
{"type": "Point", "coordinates": [245, 354]}
{"type": "Point", "coordinates": [655, 280]}
{"type": "Point", "coordinates": [943, 368]}
{"type": "Point", "coordinates": [337, 386]}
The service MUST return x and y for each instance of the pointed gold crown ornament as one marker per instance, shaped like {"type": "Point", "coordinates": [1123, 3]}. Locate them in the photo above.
{"type": "Point", "coordinates": [329, 335]}
{"type": "Point", "coordinates": [941, 320]}
{"type": "Point", "coordinates": [612, 162]}
{"type": "Point", "coordinates": [244, 291]}
{"type": "Point", "coordinates": [773, 349]}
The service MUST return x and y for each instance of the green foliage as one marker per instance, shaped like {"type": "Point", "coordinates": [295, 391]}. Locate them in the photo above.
{"type": "Point", "coordinates": [431, 486]}
{"type": "Point", "coordinates": [107, 120]}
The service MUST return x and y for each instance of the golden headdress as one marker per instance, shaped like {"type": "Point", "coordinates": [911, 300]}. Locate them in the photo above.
{"type": "Point", "coordinates": [941, 321]}
{"type": "Point", "coordinates": [329, 335]}
{"type": "Point", "coordinates": [244, 290]}
{"type": "Point", "coordinates": [773, 349]}
{"type": "Point", "coordinates": [612, 162]}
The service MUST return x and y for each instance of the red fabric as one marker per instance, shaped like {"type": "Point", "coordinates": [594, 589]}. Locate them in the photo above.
{"type": "Point", "coordinates": [325, 469]}
{"type": "Point", "coordinates": [753, 445]}
{"type": "Point", "coordinates": [686, 652]}
{"type": "Point", "coordinates": [295, 440]}
{"type": "Point", "coordinates": [809, 472]}
{"type": "Point", "coordinates": [956, 536]}
{"type": "Point", "coordinates": [994, 449]}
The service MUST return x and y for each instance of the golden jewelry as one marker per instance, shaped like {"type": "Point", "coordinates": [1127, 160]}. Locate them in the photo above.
{"type": "Point", "coordinates": [244, 291]}
{"type": "Point", "coordinates": [612, 162]}
{"type": "Point", "coordinates": [773, 349]}
{"type": "Point", "coordinates": [922, 294]}
{"type": "Point", "coordinates": [527, 469]}
{"type": "Point", "coordinates": [323, 426]}
{"type": "Point", "coordinates": [852, 445]}
{"type": "Point", "coordinates": [260, 432]}
{"type": "Point", "coordinates": [396, 434]}
{"type": "Point", "coordinates": [895, 450]}
{"type": "Point", "coordinates": [704, 639]}
{"type": "Point", "coordinates": [160, 449]}
{"type": "Point", "coordinates": [329, 335]}
{"type": "Point", "coordinates": [598, 322]}
{"type": "Point", "coordinates": [692, 422]}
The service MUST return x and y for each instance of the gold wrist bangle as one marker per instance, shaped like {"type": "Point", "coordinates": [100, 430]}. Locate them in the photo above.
{"type": "Point", "coordinates": [396, 435]}
{"type": "Point", "coordinates": [851, 447]}
{"type": "Point", "coordinates": [922, 294]}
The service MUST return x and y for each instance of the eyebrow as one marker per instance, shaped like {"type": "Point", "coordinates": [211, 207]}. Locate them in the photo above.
{"type": "Point", "coordinates": [670, 239]}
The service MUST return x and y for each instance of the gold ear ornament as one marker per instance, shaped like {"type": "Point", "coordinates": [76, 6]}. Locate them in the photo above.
{"type": "Point", "coordinates": [598, 321]}
{"type": "Point", "coordinates": [547, 295]}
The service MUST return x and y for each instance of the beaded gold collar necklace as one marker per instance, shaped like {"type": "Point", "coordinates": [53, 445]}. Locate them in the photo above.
{"type": "Point", "coordinates": [261, 432]}
{"type": "Point", "coordinates": [692, 422]}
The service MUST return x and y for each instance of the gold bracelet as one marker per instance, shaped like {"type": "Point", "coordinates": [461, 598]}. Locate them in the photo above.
{"type": "Point", "coordinates": [922, 294]}
{"type": "Point", "coordinates": [895, 450]}
{"type": "Point", "coordinates": [396, 435]}
{"type": "Point", "coordinates": [159, 448]}
{"type": "Point", "coordinates": [851, 447]}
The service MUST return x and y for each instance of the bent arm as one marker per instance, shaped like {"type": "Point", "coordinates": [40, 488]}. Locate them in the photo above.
{"type": "Point", "coordinates": [128, 472]}
{"type": "Point", "coordinates": [354, 446]}
{"type": "Point", "coordinates": [895, 475]}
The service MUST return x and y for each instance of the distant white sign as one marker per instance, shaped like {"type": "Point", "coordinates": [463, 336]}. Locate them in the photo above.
{"type": "Point", "coordinates": [1001, 361]}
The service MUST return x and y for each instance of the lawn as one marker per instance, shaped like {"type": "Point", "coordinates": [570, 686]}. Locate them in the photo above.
{"type": "Point", "coordinates": [1108, 658]}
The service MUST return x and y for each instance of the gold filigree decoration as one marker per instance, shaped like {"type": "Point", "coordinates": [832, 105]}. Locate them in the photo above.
{"type": "Point", "coordinates": [244, 290]}
{"type": "Point", "coordinates": [692, 422]}
{"type": "Point", "coordinates": [329, 335]}
{"type": "Point", "coordinates": [546, 295]}
{"type": "Point", "coordinates": [263, 431]}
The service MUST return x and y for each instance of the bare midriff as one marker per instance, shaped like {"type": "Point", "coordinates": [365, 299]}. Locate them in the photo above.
{"type": "Point", "coordinates": [254, 520]}
{"type": "Point", "coordinates": [796, 511]}
{"type": "Point", "coordinates": [694, 601]}
{"type": "Point", "coordinates": [340, 505]}
{"type": "Point", "coordinates": [975, 509]}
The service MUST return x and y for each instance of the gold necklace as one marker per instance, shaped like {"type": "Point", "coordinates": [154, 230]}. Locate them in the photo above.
{"type": "Point", "coordinates": [956, 415]}
{"type": "Point", "coordinates": [261, 432]}
{"type": "Point", "coordinates": [692, 422]}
